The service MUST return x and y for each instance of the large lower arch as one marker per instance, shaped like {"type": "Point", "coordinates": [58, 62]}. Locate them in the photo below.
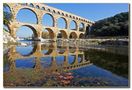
{"type": "Point", "coordinates": [50, 33]}
{"type": "Point", "coordinates": [81, 36]}
{"type": "Point", "coordinates": [73, 35]}
{"type": "Point", "coordinates": [62, 34]}
{"type": "Point", "coordinates": [25, 34]}
{"type": "Point", "coordinates": [27, 15]}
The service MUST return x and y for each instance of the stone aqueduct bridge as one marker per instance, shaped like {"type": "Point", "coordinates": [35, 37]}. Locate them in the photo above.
{"type": "Point", "coordinates": [42, 9]}
{"type": "Point", "coordinates": [53, 53]}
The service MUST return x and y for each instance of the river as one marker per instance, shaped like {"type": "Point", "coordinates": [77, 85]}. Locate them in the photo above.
{"type": "Point", "coordinates": [63, 65]}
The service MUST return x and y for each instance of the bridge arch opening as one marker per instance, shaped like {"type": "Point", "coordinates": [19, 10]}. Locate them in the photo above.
{"type": "Point", "coordinates": [81, 27]}
{"type": "Point", "coordinates": [25, 63]}
{"type": "Point", "coordinates": [26, 50]}
{"type": "Point", "coordinates": [43, 8]}
{"type": "Point", "coordinates": [60, 60]}
{"type": "Point", "coordinates": [37, 7]}
{"type": "Point", "coordinates": [46, 61]}
{"type": "Point", "coordinates": [31, 5]}
{"type": "Point", "coordinates": [48, 20]}
{"type": "Point", "coordinates": [71, 59]}
{"type": "Point", "coordinates": [80, 58]}
{"type": "Point", "coordinates": [47, 49]}
{"type": "Point", "coordinates": [26, 32]}
{"type": "Point", "coordinates": [61, 49]}
{"type": "Point", "coordinates": [29, 17]}
{"type": "Point", "coordinates": [87, 31]}
{"type": "Point", "coordinates": [62, 34]}
{"type": "Point", "coordinates": [81, 36]}
{"type": "Point", "coordinates": [62, 23]}
{"type": "Point", "coordinates": [73, 25]}
{"type": "Point", "coordinates": [48, 34]}
{"type": "Point", "coordinates": [73, 35]}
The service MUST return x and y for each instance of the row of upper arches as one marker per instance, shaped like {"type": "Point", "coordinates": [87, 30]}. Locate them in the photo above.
{"type": "Point", "coordinates": [47, 20]}
{"type": "Point", "coordinates": [29, 16]}
{"type": "Point", "coordinates": [54, 11]}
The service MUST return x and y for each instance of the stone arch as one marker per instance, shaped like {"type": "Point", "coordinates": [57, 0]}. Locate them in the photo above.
{"type": "Point", "coordinates": [80, 58]}
{"type": "Point", "coordinates": [24, 4]}
{"type": "Point", "coordinates": [63, 14]}
{"type": "Point", "coordinates": [81, 27]}
{"type": "Point", "coordinates": [30, 11]}
{"type": "Point", "coordinates": [37, 6]}
{"type": "Point", "coordinates": [66, 15]}
{"type": "Point", "coordinates": [49, 52]}
{"type": "Point", "coordinates": [62, 23]}
{"type": "Point", "coordinates": [58, 12]}
{"type": "Point", "coordinates": [81, 36]}
{"type": "Point", "coordinates": [35, 35]}
{"type": "Point", "coordinates": [51, 21]}
{"type": "Point", "coordinates": [43, 8]}
{"type": "Point", "coordinates": [31, 5]}
{"type": "Point", "coordinates": [73, 35]}
{"type": "Point", "coordinates": [63, 34]}
{"type": "Point", "coordinates": [51, 33]}
{"type": "Point", "coordinates": [72, 59]}
{"type": "Point", "coordinates": [33, 49]}
{"type": "Point", "coordinates": [48, 10]}
{"type": "Point", "coordinates": [61, 49]}
{"type": "Point", "coordinates": [54, 11]}
{"type": "Point", "coordinates": [73, 25]}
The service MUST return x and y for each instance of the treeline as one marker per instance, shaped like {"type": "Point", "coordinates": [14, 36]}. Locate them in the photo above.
{"type": "Point", "coordinates": [117, 25]}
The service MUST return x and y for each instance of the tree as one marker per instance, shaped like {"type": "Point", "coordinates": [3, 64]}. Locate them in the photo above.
{"type": "Point", "coordinates": [112, 26]}
{"type": "Point", "coordinates": [7, 15]}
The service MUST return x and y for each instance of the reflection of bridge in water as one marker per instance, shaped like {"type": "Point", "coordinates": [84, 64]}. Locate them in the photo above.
{"type": "Point", "coordinates": [53, 52]}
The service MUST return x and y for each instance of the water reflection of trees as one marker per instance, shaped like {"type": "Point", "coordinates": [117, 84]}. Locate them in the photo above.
{"type": "Point", "coordinates": [115, 63]}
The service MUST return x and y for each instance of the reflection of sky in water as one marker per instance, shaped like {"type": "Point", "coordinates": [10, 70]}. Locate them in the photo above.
{"type": "Point", "coordinates": [46, 61]}
{"type": "Point", "coordinates": [24, 50]}
{"type": "Point", "coordinates": [71, 59]}
{"type": "Point", "coordinates": [79, 59]}
{"type": "Point", "coordinates": [87, 72]}
{"type": "Point", "coordinates": [44, 51]}
{"type": "Point", "coordinates": [59, 60]}
{"type": "Point", "coordinates": [25, 63]}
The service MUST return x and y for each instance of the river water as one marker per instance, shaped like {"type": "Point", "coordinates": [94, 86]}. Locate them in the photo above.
{"type": "Point", "coordinates": [54, 64]}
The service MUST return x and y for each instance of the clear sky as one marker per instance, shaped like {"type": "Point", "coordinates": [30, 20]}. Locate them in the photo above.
{"type": "Point", "coordinates": [92, 11]}
{"type": "Point", "coordinates": [89, 11]}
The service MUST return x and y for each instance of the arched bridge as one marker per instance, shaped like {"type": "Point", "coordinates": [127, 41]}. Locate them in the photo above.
{"type": "Point", "coordinates": [40, 10]}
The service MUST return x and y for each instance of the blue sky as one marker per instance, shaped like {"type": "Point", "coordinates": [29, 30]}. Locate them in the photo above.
{"type": "Point", "coordinates": [89, 11]}
{"type": "Point", "coordinates": [92, 11]}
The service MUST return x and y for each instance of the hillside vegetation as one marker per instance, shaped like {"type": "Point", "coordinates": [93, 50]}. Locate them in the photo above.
{"type": "Point", "coordinates": [117, 25]}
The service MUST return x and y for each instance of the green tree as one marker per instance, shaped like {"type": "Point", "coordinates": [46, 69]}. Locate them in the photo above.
{"type": "Point", "coordinates": [7, 16]}
{"type": "Point", "coordinates": [112, 26]}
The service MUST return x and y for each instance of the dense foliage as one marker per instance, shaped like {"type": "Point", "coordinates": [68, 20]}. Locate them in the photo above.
{"type": "Point", "coordinates": [7, 15]}
{"type": "Point", "coordinates": [117, 25]}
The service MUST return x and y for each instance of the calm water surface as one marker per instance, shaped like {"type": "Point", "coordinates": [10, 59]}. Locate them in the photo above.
{"type": "Point", "coordinates": [63, 65]}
